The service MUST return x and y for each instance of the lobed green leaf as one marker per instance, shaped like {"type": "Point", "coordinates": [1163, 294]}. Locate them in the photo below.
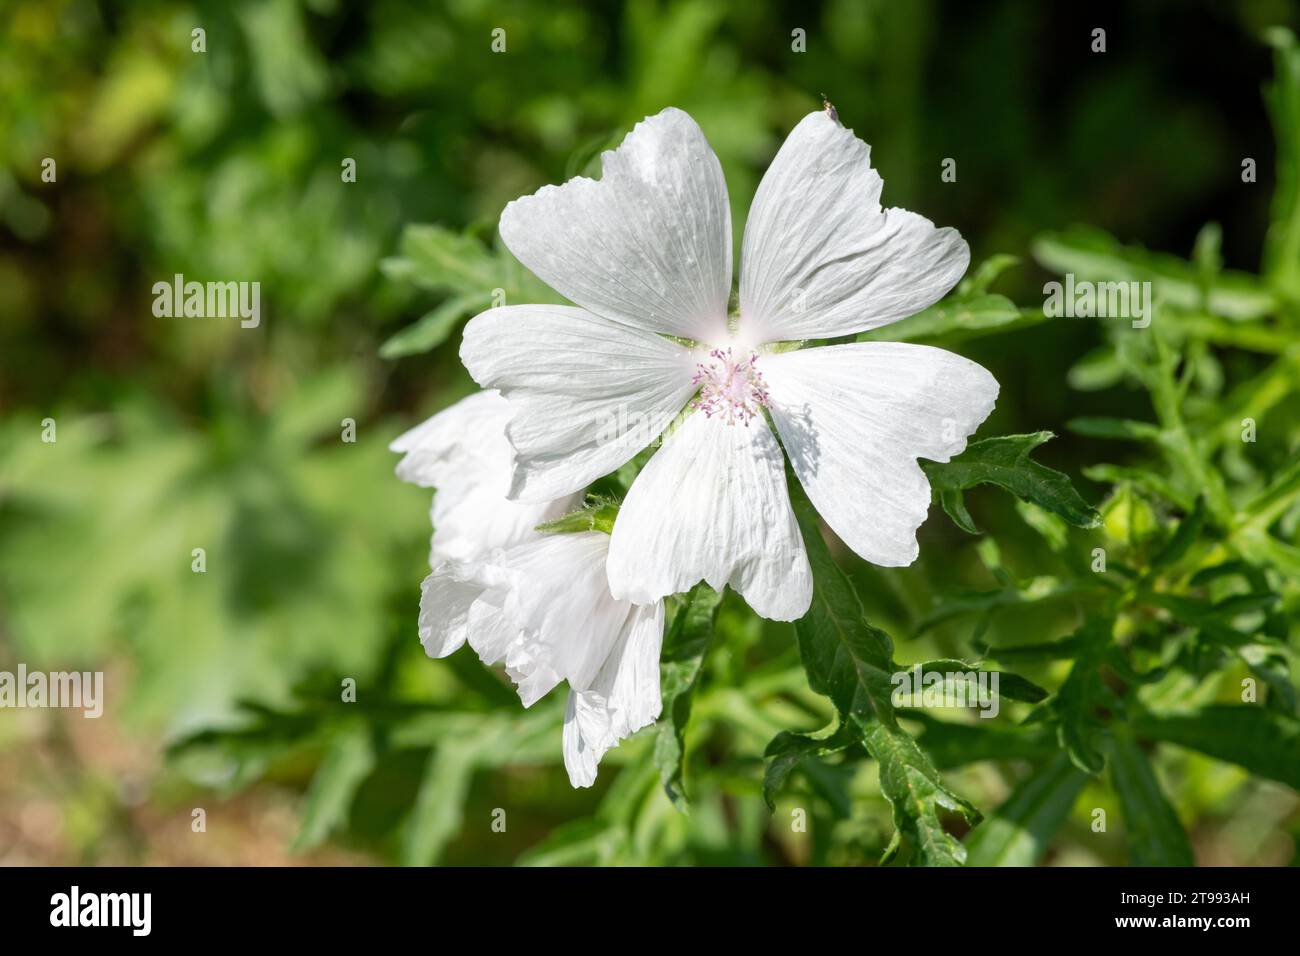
{"type": "Point", "coordinates": [681, 661]}
{"type": "Point", "coordinates": [1005, 462]}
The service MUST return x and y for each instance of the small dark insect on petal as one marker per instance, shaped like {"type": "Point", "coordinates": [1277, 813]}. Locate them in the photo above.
{"type": "Point", "coordinates": [829, 107]}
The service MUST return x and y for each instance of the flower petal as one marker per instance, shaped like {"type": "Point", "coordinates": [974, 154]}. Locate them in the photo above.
{"type": "Point", "coordinates": [469, 435]}
{"type": "Point", "coordinates": [821, 258]}
{"type": "Point", "coordinates": [463, 451]}
{"type": "Point", "coordinates": [587, 394]}
{"type": "Point", "coordinates": [854, 419]}
{"type": "Point", "coordinates": [559, 594]}
{"type": "Point", "coordinates": [649, 245]}
{"type": "Point", "coordinates": [712, 504]}
{"type": "Point", "coordinates": [444, 612]}
{"type": "Point", "coordinates": [622, 699]}
{"type": "Point", "coordinates": [472, 523]}
{"type": "Point", "coordinates": [542, 608]}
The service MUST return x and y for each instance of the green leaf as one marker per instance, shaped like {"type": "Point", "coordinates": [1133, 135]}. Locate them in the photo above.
{"type": "Point", "coordinates": [439, 804]}
{"type": "Point", "coordinates": [788, 749]}
{"type": "Point", "coordinates": [911, 784]}
{"type": "Point", "coordinates": [846, 658]}
{"type": "Point", "coordinates": [439, 259]}
{"type": "Point", "coordinates": [1207, 252]}
{"type": "Point", "coordinates": [313, 409]}
{"type": "Point", "coordinates": [433, 329]}
{"type": "Point", "coordinates": [1005, 462]}
{"type": "Point", "coordinates": [682, 659]}
{"type": "Point", "coordinates": [479, 680]}
{"type": "Point", "coordinates": [1280, 495]}
{"type": "Point", "coordinates": [954, 506]}
{"type": "Point", "coordinates": [470, 274]}
{"type": "Point", "coordinates": [1214, 618]}
{"type": "Point", "coordinates": [1020, 831]}
{"type": "Point", "coordinates": [1011, 686]}
{"type": "Point", "coordinates": [1092, 255]}
{"type": "Point", "coordinates": [1097, 370]}
{"type": "Point", "coordinates": [1228, 569]}
{"type": "Point", "coordinates": [952, 744]}
{"type": "Point", "coordinates": [1077, 732]}
{"type": "Point", "coordinates": [1273, 667]}
{"type": "Point", "coordinates": [589, 842]}
{"type": "Point", "coordinates": [1077, 701]}
{"type": "Point", "coordinates": [597, 514]}
{"type": "Point", "coordinates": [1143, 478]}
{"type": "Point", "coordinates": [1282, 245]}
{"type": "Point", "coordinates": [1123, 429]}
{"type": "Point", "coordinates": [957, 320]}
{"type": "Point", "coordinates": [605, 839]}
{"type": "Point", "coordinates": [1063, 649]}
{"type": "Point", "coordinates": [1154, 835]}
{"type": "Point", "coordinates": [1260, 547]}
{"type": "Point", "coordinates": [1030, 591]}
{"type": "Point", "coordinates": [348, 761]}
{"type": "Point", "coordinates": [985, 274]}
{"type": "Point", "coordinates": [1187, 534]}
{"type": "Point", "coordinates": [851, 662]}
{"type": "Point", "coordinates": [1053, 530]}
{"type": "Point", "coordinates": [1266, 742]}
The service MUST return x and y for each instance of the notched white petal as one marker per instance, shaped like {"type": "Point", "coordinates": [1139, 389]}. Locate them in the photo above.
{"type": "Point", "coordinates": [463, 452]}
{"type": "Point", "coordinates": [445, 603]}
{"type": "Point", "coordinates": [469, 435]}
{"type": "Point", "coordinates": [649, 244]}
{"type": "Point", "coordinates": [712, 505]}
{"type": "Point", "coordinates": [543, 610]}
{"type": "Point", "coordinates": [855, 418]}
{"type": "Point", "coordinates": [623, 698]}
{"type": "Point", "coordinates": [821, 258]}
{"type": "Point", "coordinates": [586, 393]}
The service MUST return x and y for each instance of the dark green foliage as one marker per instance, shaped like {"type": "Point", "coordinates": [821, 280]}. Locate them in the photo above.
{"type": "Point", "coordinates": [1137, 599]}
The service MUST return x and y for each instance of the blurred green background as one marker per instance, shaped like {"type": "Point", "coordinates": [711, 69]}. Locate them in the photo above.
{"type": "Point", "coordinates": [175, 433]}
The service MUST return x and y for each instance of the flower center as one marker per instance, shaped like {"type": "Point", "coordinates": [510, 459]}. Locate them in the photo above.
{"type": "Point", "coordinates": [731, 388]}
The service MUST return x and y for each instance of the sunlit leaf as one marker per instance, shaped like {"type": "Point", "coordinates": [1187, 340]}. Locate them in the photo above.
{"type": "Point", "coordinates": [1020, 830]}
{"type": "Point", "coordinates": [686, 641]}
{"type": "Point", "coordinates": [787, 750]}
{"type": "Point", "coordinates": [439, 806]}
{"type": "Point", "coordinates": [1094, 256]}
{"type": "Point", "coordinates": [850, 661]}
{"type": "Point", "coordinates": [347, 763]}
{"type": "Point", "coordinates": [958, 320]}
{"type": "Point", "coordinates": [1005, 462]}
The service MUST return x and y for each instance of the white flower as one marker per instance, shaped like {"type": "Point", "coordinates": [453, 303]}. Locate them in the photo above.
{"type": "Point", "coordinates": [538, 603]}
{"type": "Point", "coordinates": [544, 610]}
{"type": "Point", "coordinates": [463, 453]}
{"type": "Point", "coordinates": [646, 254]}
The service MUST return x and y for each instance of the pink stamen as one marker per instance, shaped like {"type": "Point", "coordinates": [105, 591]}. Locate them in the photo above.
{"type": "Point", "coordinates": [731, 389]}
